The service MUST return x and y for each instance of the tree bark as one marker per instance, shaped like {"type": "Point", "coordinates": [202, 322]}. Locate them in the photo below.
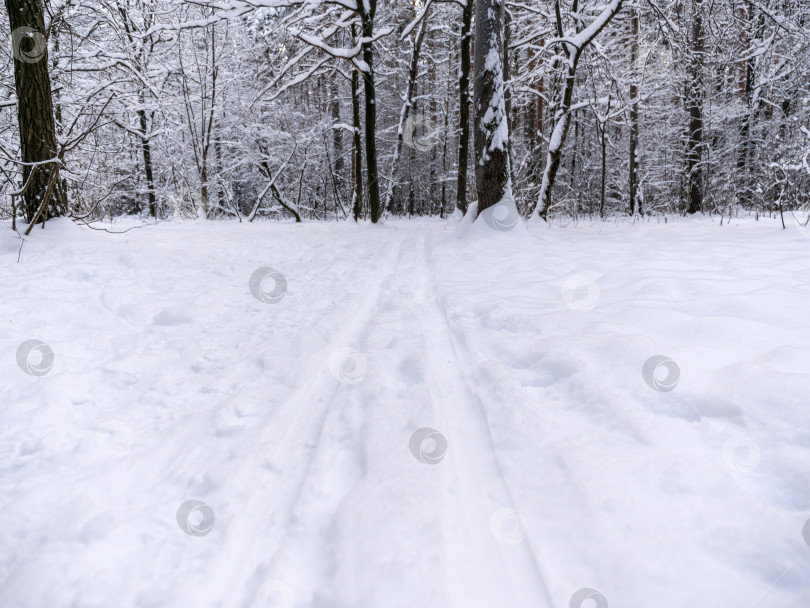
{"type": "Point", "coordinates": [633, 177]}
{"type": "Point", "coordinates": [507, 95]}
{"type": "Point", "coordinates": [337, 136]}
{"type": "Point", "coordinates": [447, 95]}
{"type": "Point", "coordinates": [434, 113]}
{"type": "Point", "coordinates": [491, 128]}
{"type": "Point", "coordinates": [464, 106]}
{"type": "Point", "coordinates": [367, 21]}
{"type": "Point", "coordinates": [38, 148]}
{"type": "Point", "coordinates": [146, 149]}
{"type": "Point", "coordinates": [694, 106]}
{"type": "Point", "coordinates": [357, 156]}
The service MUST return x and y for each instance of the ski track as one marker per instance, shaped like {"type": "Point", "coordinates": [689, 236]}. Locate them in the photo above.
{"type": "Point", "coordinates": [477, 488]}
{"type": "Point", "coordinates": [317, 496]}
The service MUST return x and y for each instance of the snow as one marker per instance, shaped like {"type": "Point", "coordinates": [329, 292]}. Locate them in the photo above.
{"type": "Point", "coordinates": [494, 119]}
{"type": "Point", "coordinates": [503, 216]}
{"type": "Point", "coordinates": [589, 33]}
{"type": "Point", "coordinates": [420, 420]}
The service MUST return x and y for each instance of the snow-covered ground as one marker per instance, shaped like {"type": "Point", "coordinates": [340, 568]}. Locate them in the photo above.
{"type": "Point", "coordinates": [553, 462]}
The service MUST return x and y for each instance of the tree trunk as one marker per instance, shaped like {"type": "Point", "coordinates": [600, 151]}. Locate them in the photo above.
{"type": "Point", "coordinates": [491, 129]}
{"type": "Point", "coordinates": [562, 122]}
{"type": "Point", "coordinates": [367, 20]}
{"type": "Point", "coordinates": [146, 149]}
{"type": "Point", "coordinates": [746, 88]}
{"type": "Point", "coordinates": [464, 106]}
{"type": "Point", "coordinates": [694, 106]}
{"type": "Point", "coordinates": [434, 113]}
{"type": "Point", "coordinates": [35, 110]}
{"type": "Point", "coordinates": [337, 137]}
{"type": "Point", "coordinates": [447, 94]}
{"type": "Point", "coordinates": [507, 95]}
{"type": "Point", "coordinates": [357, 156]}
{"type": "Point", "coordinates": [602, 128]}
{"type": "Point", "coordinates": [633, 177]}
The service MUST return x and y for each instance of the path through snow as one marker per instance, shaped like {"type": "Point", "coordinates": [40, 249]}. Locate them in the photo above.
{"type": "Point", "coordinates": [293, 421]}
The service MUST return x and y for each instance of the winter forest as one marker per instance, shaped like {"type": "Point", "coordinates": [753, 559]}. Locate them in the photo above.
{"type": "Point", "coordinates": [326, 110]}
{"type": "Point", "coordinates": [396, 303]}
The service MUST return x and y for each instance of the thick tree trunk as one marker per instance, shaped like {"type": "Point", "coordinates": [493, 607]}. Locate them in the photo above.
{"type": "Point", "coordinates": [35, 111]}
{"type": "Point", "coordinates": [434, 113]}
{"type": "Point", "coordinates": [694, 106]}
{"type": "Point", "coordinates": [367, 20]}
{"type": "Point", "coordinates": [464, 106]}
{"type": "Point", "coordinates": [491, 128]}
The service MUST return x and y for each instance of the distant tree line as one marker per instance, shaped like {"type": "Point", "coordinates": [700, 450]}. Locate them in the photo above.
{"type": "Point", "coordinates": [345, 109]}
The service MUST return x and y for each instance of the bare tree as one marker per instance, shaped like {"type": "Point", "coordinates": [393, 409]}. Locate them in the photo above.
{"type": "Point", "coordinates": [571, 49]}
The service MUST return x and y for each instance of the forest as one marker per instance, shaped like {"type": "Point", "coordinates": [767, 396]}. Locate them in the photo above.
{"type": "Point", "coordinates": [331, 110]}
{"type": "Point", "coordinates": [405, 303]}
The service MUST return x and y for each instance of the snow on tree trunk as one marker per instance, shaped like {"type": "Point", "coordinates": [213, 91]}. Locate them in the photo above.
{"type": "Point", "coordinates": [493, 184]}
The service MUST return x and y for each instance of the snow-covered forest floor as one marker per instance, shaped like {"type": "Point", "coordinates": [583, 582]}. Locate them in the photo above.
{"type": "Point", "coordinates": [557, 461]}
